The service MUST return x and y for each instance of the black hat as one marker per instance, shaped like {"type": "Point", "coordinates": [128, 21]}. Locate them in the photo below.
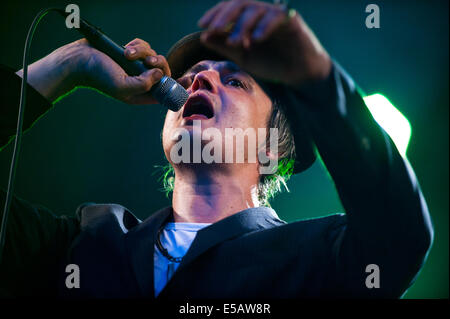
{"type": "Point", "coordinates": [189, 50]}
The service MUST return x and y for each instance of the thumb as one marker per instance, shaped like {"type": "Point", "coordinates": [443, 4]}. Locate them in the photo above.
{"type": "Point", "coordinates": [134, 85]}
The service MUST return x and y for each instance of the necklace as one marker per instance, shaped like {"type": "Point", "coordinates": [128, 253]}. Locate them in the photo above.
{"type": "Point", "coordinates": [163, 250]}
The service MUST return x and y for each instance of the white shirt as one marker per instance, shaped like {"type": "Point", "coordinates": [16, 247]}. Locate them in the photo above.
{"type": "Point", "coordinates": [176, 238]}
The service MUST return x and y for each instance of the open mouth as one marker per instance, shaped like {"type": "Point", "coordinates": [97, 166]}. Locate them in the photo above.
{"type": "Point", "coordinates": [198, 107]}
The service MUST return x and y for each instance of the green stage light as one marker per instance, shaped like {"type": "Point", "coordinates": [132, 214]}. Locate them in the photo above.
{"type": "Point", "coordinates": [391, 120]}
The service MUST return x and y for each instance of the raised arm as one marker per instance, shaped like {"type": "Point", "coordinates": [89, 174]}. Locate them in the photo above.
{"type": "Point", "coordinates": [388, 223]}
{"type": "Point", "coordinates": [387, 218]}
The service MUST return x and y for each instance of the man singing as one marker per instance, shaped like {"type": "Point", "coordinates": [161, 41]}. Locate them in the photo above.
{"type": "Point", "coordinates": [254, 66]}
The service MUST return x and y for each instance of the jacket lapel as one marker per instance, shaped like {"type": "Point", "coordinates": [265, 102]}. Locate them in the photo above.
{"type": "Point", "coordinates": [140, 242]}
{"type": "Point", "coordinates": [246, 221]}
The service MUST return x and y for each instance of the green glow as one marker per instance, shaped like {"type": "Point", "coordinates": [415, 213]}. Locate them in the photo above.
{"type": "Point", "coordinates": [391, 120]}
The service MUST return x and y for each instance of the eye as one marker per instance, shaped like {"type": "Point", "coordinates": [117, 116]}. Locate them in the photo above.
{"type": "Point", "coordinates": [235, 82]}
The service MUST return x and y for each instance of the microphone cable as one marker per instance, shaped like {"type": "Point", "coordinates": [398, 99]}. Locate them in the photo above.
{"type": "Point", "coordinates": [167, 92]}
{"type": "Point", "coordinates": [18, 137]}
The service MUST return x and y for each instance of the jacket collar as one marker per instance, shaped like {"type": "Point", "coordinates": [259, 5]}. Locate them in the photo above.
{"type": "Point", "coordinates": [245, 221]}
{"type": "Point", "coordinates": [140, 241]}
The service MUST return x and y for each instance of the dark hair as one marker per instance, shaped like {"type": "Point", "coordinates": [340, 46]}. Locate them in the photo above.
{"type": "Point", "coordinates": [269, 184]}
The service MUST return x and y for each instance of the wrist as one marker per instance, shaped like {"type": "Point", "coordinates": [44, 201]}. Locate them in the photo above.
{"type": "Point", "coordinates": [312, 62]}
{"type": "Point", "coordinates": [316, 71]}
{"type": "Point", "coordinates": [56, 74]}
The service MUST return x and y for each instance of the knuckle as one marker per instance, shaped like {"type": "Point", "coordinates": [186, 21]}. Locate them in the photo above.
{"type": "Point", "coordinates": [154, 60]}
{"type": "Point", "coordinates": [143, 50]}
{"type": "Point", "coordinates": [142, 43]}
{"type": "Point", "coordinates": [82, 41]}
{"type": "Point", "coordinates": [138, 47]}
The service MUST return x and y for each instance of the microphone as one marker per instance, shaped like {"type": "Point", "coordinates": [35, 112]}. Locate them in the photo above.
{"type": "Point", "coordinates": [167, 91]}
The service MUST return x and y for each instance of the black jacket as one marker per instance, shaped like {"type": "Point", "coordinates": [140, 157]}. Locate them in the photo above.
{"type": "Point", "coordinates": [252, 253]}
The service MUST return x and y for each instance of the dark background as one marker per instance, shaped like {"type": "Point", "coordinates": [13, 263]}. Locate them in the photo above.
{"type": "Point", "coordinates": [92, 148]}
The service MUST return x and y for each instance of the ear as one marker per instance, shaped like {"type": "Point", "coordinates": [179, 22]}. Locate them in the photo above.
{"type": "Point", "coordinates": [271, 155]}
{"type": "Point", "coordinates": [268, 162]}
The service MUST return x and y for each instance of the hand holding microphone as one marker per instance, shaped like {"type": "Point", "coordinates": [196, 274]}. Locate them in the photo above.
{"type": "Point", "coordinates": [105, 68]}
{"type": "Point", "coordinates": [134, 74]}
{"type": "Point", "coordinates": [102, 72]}
{"type": "Point", "coordinates": [166, 91]}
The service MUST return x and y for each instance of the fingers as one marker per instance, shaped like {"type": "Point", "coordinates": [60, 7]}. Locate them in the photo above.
{"type": "Point", "coordinates": [134, 89]}
{"type": "Point", "coordinates": [138, 49]}
{"type": "Point", "coordinates": [250, 21]}
{"type": "Point", "coordinates": [245, 25]}
{"type": "Point", "coordinates": [136, 85]}
{"type": "Point", "coordinates": [217, 42]}
{"type": "Point", "coordinates": [211, 14]}
{"type": "Point", "coordinates": [227, 15]}
{"type": "Point", "coordinates": [268, 24]}
{"type": "Point", "coordinates": [136, 41]}
{"type": "Point", "coordinates": [158, 61]}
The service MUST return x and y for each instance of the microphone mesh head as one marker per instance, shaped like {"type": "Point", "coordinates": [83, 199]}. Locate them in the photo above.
{"type": "Point", "coordinates": [170, 93]}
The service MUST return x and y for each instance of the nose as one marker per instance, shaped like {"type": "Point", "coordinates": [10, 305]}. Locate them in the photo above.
{"type": "Point", "coordinates": [204, 81]}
